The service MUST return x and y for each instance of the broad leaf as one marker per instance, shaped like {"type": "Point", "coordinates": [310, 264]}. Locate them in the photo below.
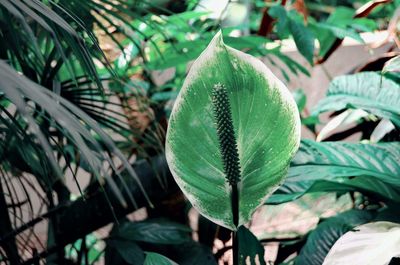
{"type": "Point", "coordinates": [304, 39]}
{"type": "Point", "coordinates": [128, 251]}
{"type": "Point", "coordinates": [251, 251]}
{"type": "Point", "coordinates": [279, 13]}
{"type": "Point", "coordinates": [320, 240]}
{"type": "Point", "coordinates": [154, 231]}
{"type": "Point", "coordinates": [266, 128]}
{"type": "Point", "coordinates": [373, 243]}
{"type": "Point", "coordinates": [290, 22]}
{"type": "Point", "coordinates": [341, 33]}
{"type": "Point", "coordinates": [340, 18]}
{"type": "Point", "coordinates": [370, 187]}
{"type": "Point", "coordinates": [370, 168]}
{"type": "Point", "coordinates": [157, 259]}
{"type": "Point", "coordinates": [193, 253]}
{"type": "Point", "coordinates": [368, 91]}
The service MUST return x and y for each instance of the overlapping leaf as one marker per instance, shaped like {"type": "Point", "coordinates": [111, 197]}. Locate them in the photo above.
{"type": "Point", "coordinates": [337, 166]}
{"type": "Point", "coordinates": [370, 244]}
{"type": "Point", "coordinates": [369, 91]}
{"type": "Point", "coordinates": [320, 240]}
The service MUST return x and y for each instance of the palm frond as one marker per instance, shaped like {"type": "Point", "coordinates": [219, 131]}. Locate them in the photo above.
{"type": "Point", "coordinates": [79, 128]}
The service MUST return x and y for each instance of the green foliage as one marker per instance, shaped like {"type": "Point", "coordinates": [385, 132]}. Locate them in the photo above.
{"type": "Point", "coordinates": [339, 24]}
{"type": "Point", "coordinates": [372, 243]}
{"type": "Point", "coordinates": [250, 249]}
{"type": "Point", "coordinates": [81, 100]}
{"type": "Point", "coordinates": [157, 259]}
{"type": "Point", "coordinates": [304, 39]}
{"type": "Point", "coordinates": [367, 171]}
{"type": "Point", "coordinates": [127, 239]}
{"type": "Point", "coordinates": [369, 91]}
{"type": "Point", "coordinates": [192, 147]}
{"type": "Point", "coordinates": [153, 231]}
{"type": "Point", "coordinates": [93, 254]}
{"type": "Point", "coordinates": [123, 252]}
{"type": "Point", "coordinates": [342, 167]}
{"type": "Point", "coordinates": [290, 22]}
{"type": "Point", "coordinates": [320, 240]}
{"type": "Point", "coordinates": [300, 98]}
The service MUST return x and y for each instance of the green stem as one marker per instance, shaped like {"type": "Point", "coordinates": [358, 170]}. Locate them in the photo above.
{"type": "Point", "coordinates": [235, 216]}
{"type": "Point", "coordinates": [235, 248]}
{"type": "Point", "coordinates": [235, 204]}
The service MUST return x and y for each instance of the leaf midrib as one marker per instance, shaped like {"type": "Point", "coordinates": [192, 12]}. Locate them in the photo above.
{"type": "Point", "coordinates": [377, 173]}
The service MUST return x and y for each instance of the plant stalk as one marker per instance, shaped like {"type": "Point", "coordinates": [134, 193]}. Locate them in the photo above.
{"type": "Point", "coordinates": [235, 215]}
{"type": "Point", "coordinates": [235, 248]}
{"type": "Point", "coordinates": [229, 153]}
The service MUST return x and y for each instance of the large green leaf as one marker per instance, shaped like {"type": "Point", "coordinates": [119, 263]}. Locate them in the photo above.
{"type": "Point", "coordinates": [123, 251]}
{"type": "Point", "coordinates": [373, 243]}
{"type": "Point", "coordinates": [193, 253]}
{"type": "Point", "coordinates": [369, 91]}
{"type": "Point", "coordinates": [291, 22]}
{"type": "Point", "coordinates": [336, 166]}
{"type": "Point", "coordinates": [154, 231]}
{"type": "Point", "coordinates": [266, 129]}
{"type": "Point", "coordinates": [157, 259]}
{"type": "Point", "coordinates": [320, 240]}
{"type": "Point", "coordinates": [250, 249]}
{"type": "Point", "coordinates": [304, 39]}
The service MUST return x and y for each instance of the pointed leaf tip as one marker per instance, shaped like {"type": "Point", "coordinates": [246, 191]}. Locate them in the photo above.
{"type": "Point", "coordinates": [266, 126]}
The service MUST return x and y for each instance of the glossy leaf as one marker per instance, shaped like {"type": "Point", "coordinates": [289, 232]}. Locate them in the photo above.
{"type": "Point", "coordinates": [266, 126]}
{"type": "Point", "coordinates": [154, 231]}
{"type": "Point", "coordinates": [368, 91]}
{"type": "Point", "coordinates": [304, 39]}
{"type": "Point", "coordinates": [320, 240]}
{"type": "Point", "coordinates": [341, 33]}
{"type": "Point", "coordinates": [279, 13]}
{"type": "Point", "coordinates": [251, 251]}
{"type": "Point", "coordinates": [372, 188]}
{"type": "Point", "coordinates": [370, 244]}
{"type": "Point", "coordinates": [371, 168]}
{"type": "Point", "coordinates": [157, 259]}
{"type": "Point", "coordinates": [123, 251]}
{"type": "Point", "coordinates": [193, 253]}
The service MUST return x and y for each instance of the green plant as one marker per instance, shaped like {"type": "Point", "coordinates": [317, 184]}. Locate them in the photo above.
{"type": "Point", "coordinates": [83, 112]}
{"type": "Point", "coordinates": [367, 170]}
{"type": "Point", "coordinates": [59, 119]}
{"type": "Point", "coordinates": [222, 132]}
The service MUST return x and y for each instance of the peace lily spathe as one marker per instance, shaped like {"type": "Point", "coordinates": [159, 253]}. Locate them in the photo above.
{"type": "Point", "coordinates": [265, 128]}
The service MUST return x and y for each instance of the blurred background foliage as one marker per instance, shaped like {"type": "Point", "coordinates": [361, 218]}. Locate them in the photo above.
{"type": "Point", "coordinates": [86, 88]}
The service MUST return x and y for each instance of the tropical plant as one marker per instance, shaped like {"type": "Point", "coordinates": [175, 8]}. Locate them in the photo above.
{"type": "Point", "coordinates": [68, 108]}
{"type": "Point", "coordinates": [368, 170]}
{"type": "Point", "coordinates": [227, 97]}
{"type": "Point", "coordinates": [209, 113]}
{"type": "Point", "coordinates": [84, 110]}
